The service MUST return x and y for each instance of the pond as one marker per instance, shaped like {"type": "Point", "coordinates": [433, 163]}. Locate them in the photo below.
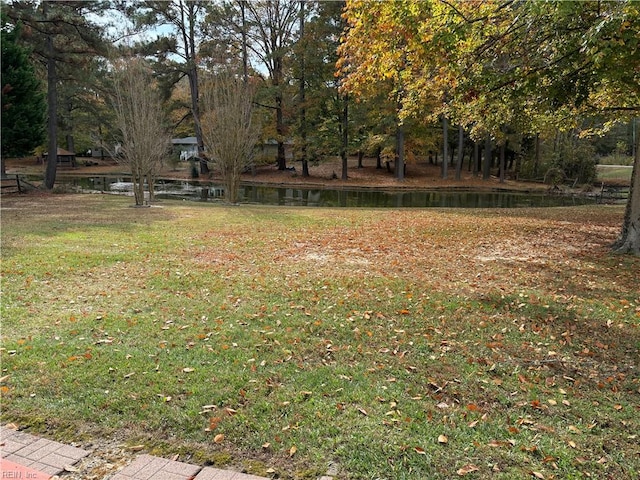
{"type": "Point", "coordinates": [315, 197]}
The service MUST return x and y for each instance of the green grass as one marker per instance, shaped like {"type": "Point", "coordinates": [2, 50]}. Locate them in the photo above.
{"type": "Point", "coordinates": [620, 174]}
{"type": "Point", "coordinates": [358, 337]}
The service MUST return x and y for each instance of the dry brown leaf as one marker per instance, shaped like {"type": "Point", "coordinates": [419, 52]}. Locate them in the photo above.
{"type": "Point", "coordinates": [292, 451]}
{"type": "Point", "coordinates": [467, 469]}
{"type": "Point", "coordinates": [538, 475]}
{"type": "Point", "coordinates": [443, 439]}
{"type": "Point", "coordinates": [219, 438]}
{"type": "Point", "coordinates": [420, 451]}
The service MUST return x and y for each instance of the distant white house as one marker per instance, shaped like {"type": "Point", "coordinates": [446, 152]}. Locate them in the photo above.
{"type": "Point", "coordinates": [187, 147]}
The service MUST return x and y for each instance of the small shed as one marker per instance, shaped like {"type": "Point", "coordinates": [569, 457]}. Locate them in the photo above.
{"type": "Point", "coordinates": [64, 157]}
{"type": "Point", "coordinates": [187, 147]}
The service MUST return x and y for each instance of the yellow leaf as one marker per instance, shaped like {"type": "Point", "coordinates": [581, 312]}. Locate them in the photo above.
{"type": "Point", "coordinates": [292, 451]}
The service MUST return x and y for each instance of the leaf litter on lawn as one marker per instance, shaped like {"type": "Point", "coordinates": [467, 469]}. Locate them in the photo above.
{"type": "Point", "coordinates": [365, 337]}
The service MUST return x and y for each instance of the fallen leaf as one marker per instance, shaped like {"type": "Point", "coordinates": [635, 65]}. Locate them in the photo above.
{"type": "Point", "coordinates": [467, 469]}
{"type": "Point", "coordinates": [188, 370]}
{"type": "Point", "coordinates": [292, 451]}
{"type": "Point", "coordinates": [219, 438]}
{"type": "Point", "coordinates": [537, 475]}
{"type": "Point", "coordinates": [443, 439]}
{"type": "Point", "coordinates": [420, 451]}
{"type": "Point", "coordinates": [363, 411]}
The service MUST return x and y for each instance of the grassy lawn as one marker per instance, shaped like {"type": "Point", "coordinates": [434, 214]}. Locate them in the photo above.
{"type": "Point", "coordinates": [397, 344]}
{"type": "Point", "coordinates": [614, 173]}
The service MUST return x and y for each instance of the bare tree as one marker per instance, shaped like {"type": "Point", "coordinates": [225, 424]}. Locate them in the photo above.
{"type": "Point", "coordinates": [140, 121]}
{"type": "Point", "coordinates": [229, 129]}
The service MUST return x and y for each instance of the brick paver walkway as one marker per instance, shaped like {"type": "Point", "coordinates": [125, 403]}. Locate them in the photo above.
{"type": "Point", "coordinates": [146, 467]}
{"type": "Point", "coordinates": [23, 455]}
{"type": "Point", "coordinates": [37, 453]}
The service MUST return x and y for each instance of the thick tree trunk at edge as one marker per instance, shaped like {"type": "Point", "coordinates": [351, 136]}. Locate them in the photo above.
{"type": "Point", "coordinates": [629, 241]}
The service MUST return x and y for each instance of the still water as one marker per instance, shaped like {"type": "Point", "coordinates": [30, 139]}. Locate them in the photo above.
{"type": "Point", "coordinates": [268, 195]}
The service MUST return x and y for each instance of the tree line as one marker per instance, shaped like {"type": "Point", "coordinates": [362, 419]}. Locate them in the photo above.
{"type": "Point", "coordinates": [519, 85]}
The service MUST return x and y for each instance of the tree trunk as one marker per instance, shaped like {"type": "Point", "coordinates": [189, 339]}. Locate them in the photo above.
{"type": "Point", "coordinates": [245, 57]}
{"type": "Point", "coordinates": [503, 147]}
{"type": "Point", "coordinates": [536, 161]}
{"type": "Point", "coordinates": [281, 159]}
{"type": "Point", "coordinates": [445, 147]}
{"type": "Point", "coordinates": [629, 240]}
{"type": "Point", "coordinates": [460, 152]}
{"type": "Point", "coordinates": [486, 166]}
{"type": "Point", "coordinates": [138, 188]}
{"type": "Point", "coordinates": [379, 158]}
{"type": "Point", "coordinates": [400, 152]}
{"type": "Point", "coordinates": [345, 137]}
{"type": "Point", "coordinates": [476, 159]}
{"type": "Point", "coordinates": [360, 157]}
{"type": "Point", "coordinates": [189, 40]}
{"type": "Point", "coordinates": [52, 100]}
{"type": "Point", "coordinates": [303, 108]}
{"type": "Point", "coordinates": [69, 136]}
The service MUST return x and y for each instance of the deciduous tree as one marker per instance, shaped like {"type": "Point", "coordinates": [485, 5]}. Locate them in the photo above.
{"type": "Point", "coordinates": [141, 123]}
{"type": "Point", "coordinates": [229, 128]}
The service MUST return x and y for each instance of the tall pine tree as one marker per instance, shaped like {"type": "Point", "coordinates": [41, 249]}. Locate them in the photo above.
{"type": "Point", "coordinates": [23, 105]}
